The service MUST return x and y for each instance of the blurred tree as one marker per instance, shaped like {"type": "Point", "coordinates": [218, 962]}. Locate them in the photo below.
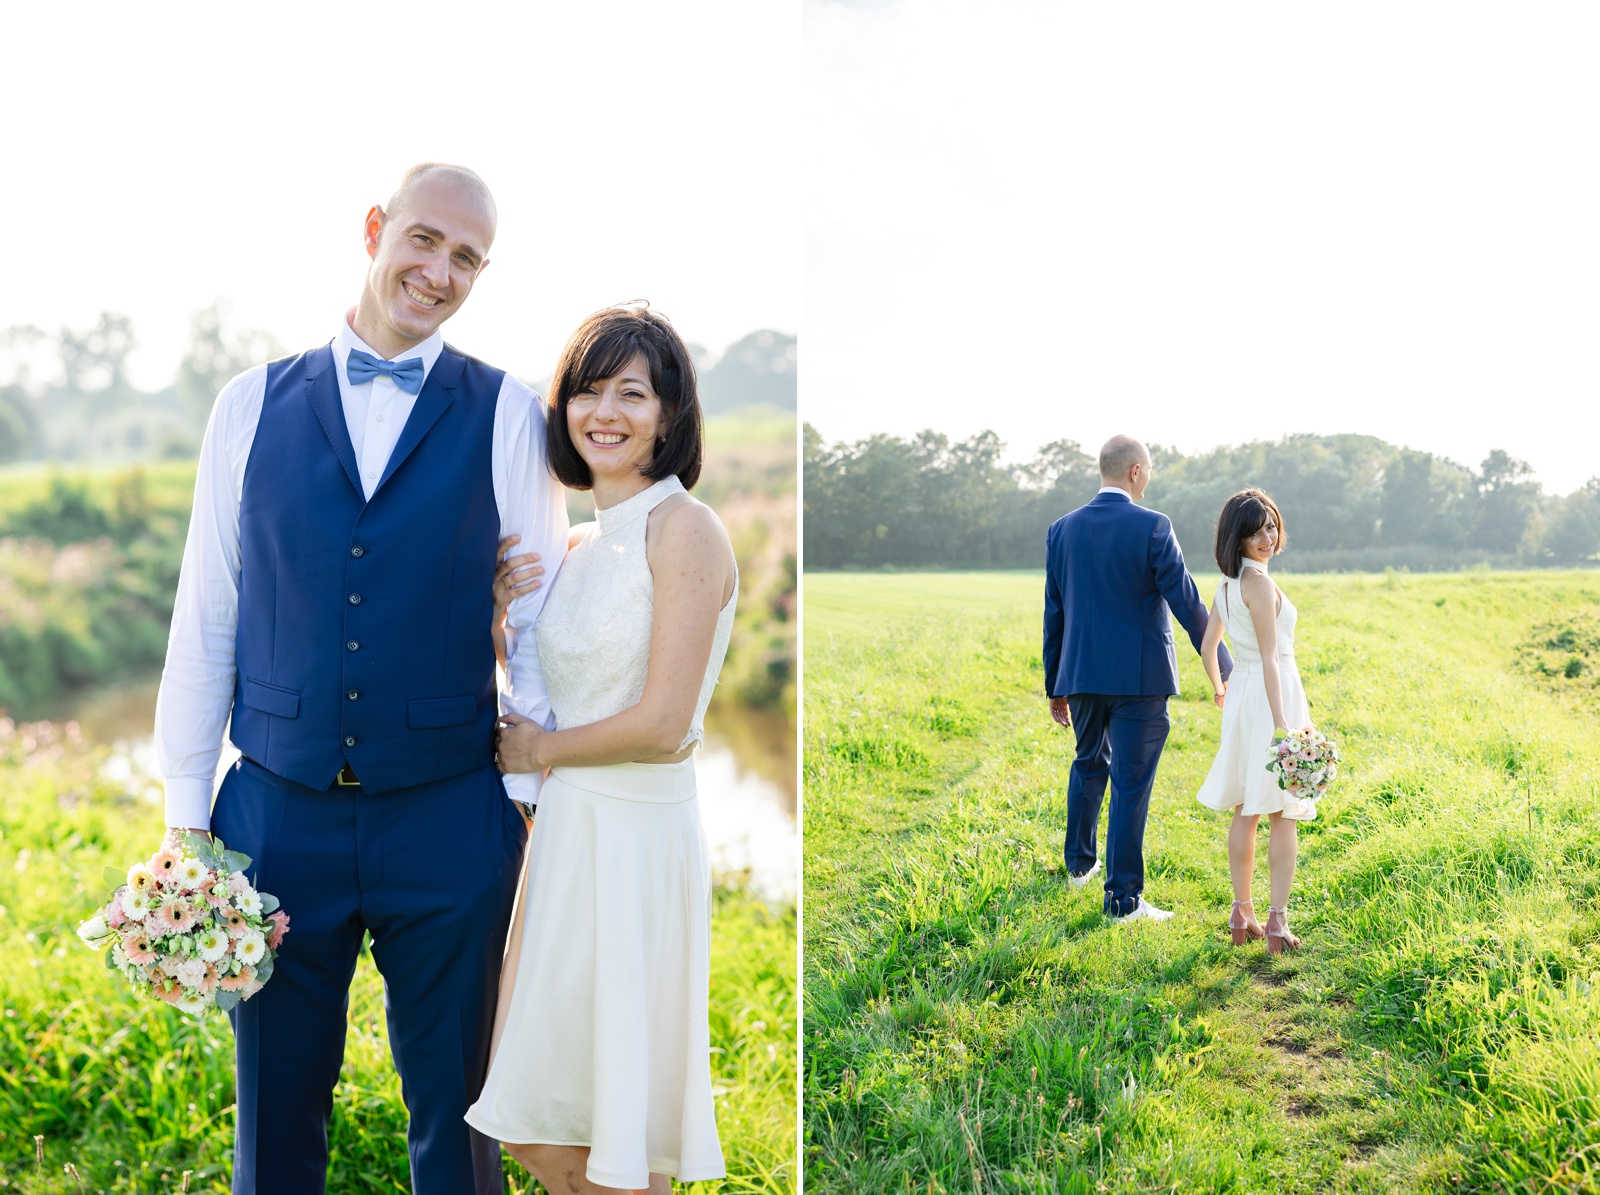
{"type": "Point", "coordinates": [1572, 535]}
{"type": "Point", "coordinates": [758, 368]}
{"type": "Point", "coordinates": [216, 355]}
{"type": "Point", "coordinates": [95, 362]}
{"type": "Point", "coordinates": [18, 431]}
{"type": "Point", "coordinates": [1507, 502]}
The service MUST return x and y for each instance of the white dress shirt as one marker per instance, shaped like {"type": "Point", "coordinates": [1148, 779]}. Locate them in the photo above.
{"type": "Point", "coordinates": [1113, 489]}
{"type": "Point", "coordinates": [196, 697]}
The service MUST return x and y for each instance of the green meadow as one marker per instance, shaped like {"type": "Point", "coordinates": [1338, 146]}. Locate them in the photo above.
{"type": "Point", "coordinates": [133, 1094]}
{"type": "Point", "coordinates": [973, 1024]}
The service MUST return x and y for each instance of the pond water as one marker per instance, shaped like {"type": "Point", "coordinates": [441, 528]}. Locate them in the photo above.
{"type": "Point", "coordinates": [746, 773]}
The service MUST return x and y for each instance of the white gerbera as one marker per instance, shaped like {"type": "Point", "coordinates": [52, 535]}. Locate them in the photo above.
{"type": "Point", "coordinates": [189, 874]}
{"type": "Point", "coordinates": [248, 902]}
{"type": "Point", "coordinates": [212, 944]}
{"type": "Point", "coordinates": [252, 948]}
{"type": "Point", "coordinates": [193, 1002]}
{"type": "Point", "coordinates": [136, 904]}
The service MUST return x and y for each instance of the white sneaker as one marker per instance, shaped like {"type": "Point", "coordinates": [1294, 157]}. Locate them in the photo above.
{"type": "Point", "coordinates": [1145, 911]}
{"type": "Point", "coordinates": [1080, 881]}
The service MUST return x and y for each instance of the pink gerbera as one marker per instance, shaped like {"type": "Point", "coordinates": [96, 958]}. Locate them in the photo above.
{"type": "Point", "coordinates": [234, 922]}
{"type": "Point", "coordinates": [136, 946]}
{"type": "Point", "coordinates": [280, 921]}
{"type": "Point", "coordinates": [211, 979]}
{"type": "Point", "coordinates": [238, 983]}
{"type": "Point", "coordinates": [178, 913]}
{"type": "Point", "coordinates": [163, 865]}
{"type": "Point", "coordinates": [217, 895]}
{"type": "Point", "coordinates": [168, 989]}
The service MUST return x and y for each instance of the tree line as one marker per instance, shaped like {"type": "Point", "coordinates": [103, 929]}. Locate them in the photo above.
{"type": "Point", "coordinates": [1348, 501]}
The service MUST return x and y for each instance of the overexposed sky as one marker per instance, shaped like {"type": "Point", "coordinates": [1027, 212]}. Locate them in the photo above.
{"type": "Point", "coordinates": [160, 156]}
{"type": "Point", "coordinates": [1206, 223]}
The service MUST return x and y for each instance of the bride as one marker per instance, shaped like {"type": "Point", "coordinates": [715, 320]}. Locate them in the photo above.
{"type": "Point", "coordinates": [1263, 696]}
{"type": "Point", "coordinates": [600, 1077]}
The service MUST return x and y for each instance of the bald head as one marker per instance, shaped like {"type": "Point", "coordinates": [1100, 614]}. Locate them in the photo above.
{"type": "Point", "coordinates": [1120, 454]}
{"type": "Point", "coordinates": [442, 176]}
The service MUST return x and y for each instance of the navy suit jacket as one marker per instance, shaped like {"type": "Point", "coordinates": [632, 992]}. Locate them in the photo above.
{"type": "Point", "coordinates": [1113, 571]}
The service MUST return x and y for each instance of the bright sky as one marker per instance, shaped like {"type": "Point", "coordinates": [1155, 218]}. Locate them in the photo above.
{"type": "Point", "coordinates": [1206, 223]}
{"type": "Point", "coordinates": [160, 157]}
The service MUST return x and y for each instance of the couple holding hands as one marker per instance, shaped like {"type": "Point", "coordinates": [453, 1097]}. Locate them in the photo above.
{"type": "Point", "coordinates": [1113, 573]}
{"type": "Point", "coordinates": [345, 596]}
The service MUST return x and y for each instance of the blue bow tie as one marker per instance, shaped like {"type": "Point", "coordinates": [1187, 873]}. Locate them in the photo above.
{"type": "Point", "coordinates": [363, 367]}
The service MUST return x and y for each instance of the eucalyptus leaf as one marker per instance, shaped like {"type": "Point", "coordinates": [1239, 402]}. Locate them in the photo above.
{"type": "Point", "coordinates": [110, 964]}
{"type": "Point", "coordinates": [264, 970]}
{"type": "Point", "coordinates": [114, 877]}
{"type": "Point", "coordinates": [204, 851]}
{"type": "Point", "coordinates": [227, 1000]}
{"type": "Point", "coordinates": [236, 861]}
{"type": "Point", "coordinates": [269, 903]}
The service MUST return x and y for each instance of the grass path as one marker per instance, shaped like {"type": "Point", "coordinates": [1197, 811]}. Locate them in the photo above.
{"type": "Point", "coordinates": [973, 1023]}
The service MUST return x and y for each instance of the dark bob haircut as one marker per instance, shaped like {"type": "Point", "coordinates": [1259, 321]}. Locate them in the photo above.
{"type": "Point", "coordinates": [601, 348]}
{"type": "Point", "coordinates": [1242, 516]}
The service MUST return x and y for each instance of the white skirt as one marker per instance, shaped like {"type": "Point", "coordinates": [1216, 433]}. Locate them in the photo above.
{"type": "Point", "coordinates": [1239, 778]}
{"type": "Point", "coordinates": [602, 1035]}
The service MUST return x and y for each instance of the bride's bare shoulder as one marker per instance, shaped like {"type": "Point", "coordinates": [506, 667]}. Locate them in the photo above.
{"type": "Point", "coordinates": [578, 534]}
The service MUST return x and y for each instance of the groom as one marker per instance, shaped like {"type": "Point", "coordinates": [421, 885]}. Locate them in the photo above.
{"type": "Point", "coordinates": [1113, 571]}
{"type": "Point", "coordinates": [335, 600]}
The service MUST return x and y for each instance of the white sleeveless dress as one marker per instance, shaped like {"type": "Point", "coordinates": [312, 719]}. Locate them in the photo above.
{"type": "Point", "coordinates": [604, 1039]}
{"type": "Point", "coordinates": [1239, 775]}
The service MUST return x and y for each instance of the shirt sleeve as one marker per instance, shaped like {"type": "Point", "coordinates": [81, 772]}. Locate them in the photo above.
{"type": "Point", "coordinates": [533, 505]}
{"type": "Point", "coordinates": [197, 683]}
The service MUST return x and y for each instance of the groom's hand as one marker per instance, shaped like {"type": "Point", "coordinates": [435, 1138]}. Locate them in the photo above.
{"type": "Point", "coordinates": [1061, 712]}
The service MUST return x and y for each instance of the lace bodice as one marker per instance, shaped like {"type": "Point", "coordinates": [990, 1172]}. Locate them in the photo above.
{"type": "Point", "coordinates": [1241, 629]}
{"type": "Point", "coordinates": [594, 631]}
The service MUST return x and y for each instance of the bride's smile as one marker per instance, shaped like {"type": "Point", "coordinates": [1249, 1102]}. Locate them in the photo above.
{"type": "Point", "coordinates": [615, 423]}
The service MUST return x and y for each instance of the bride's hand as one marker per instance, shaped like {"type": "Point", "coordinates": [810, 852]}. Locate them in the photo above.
{"type": "Point", "coordinates": [1220, 694]}
{"type": "Point", "coordinates": [517, 744]}
{"type": "Point", "coordinates": [515, 577]}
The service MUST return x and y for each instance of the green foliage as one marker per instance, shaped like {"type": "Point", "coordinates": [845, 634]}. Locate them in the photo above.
{"type": "Point", "coordinates": [1349, 502]}
{"type": "Point", "coordinates": [974, 1024]}
{"type": "Point", "coordinates": [88, 573]}
{"type": "Point", "coordinates": [134, 1093]}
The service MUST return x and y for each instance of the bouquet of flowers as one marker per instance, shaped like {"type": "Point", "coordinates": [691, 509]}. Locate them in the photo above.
{"type": "Point", "coordinates": [188, 928]}
{"type": "Point", "coordinates": [1305, 761]}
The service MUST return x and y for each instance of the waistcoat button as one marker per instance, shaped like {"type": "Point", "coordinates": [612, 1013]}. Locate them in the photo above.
{"type": "Point", "coordinates": [352, 694]}
{"type": "Point", "coordinates": [352, 646]}
{"type": "Point", "coordinates": [355, 599]}
{"type": "Point", "coordinates": [350, 742]}
{"type": "Point", "coordinates": [358, 551]}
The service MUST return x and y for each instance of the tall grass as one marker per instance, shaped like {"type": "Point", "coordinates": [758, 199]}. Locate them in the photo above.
{"type": "Point", "coordinates": [133, 1094]}
{"type": "Point", "coordinates": [974, 1024]}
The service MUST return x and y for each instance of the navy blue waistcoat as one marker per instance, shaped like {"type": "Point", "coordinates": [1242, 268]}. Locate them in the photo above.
{"type": "Point", "coordinates": [364, 630]}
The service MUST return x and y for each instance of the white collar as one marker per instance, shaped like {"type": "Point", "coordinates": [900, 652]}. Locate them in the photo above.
{"type": "Point", "coordinates": [347, 340]}
{"type": "Point", "coordinates": [1115, 489]}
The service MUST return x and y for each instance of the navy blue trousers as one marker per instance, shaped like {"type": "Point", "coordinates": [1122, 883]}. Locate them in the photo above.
{"type": "Point", "coordinates": [1119, 738]}
{"type": "Point", "coordinates": [431, 873]}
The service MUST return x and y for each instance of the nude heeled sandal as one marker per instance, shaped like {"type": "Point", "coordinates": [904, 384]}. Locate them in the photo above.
{"type": "Point", "coordinates": [1279, 939]}
{"type": "Point", "coordinates": [1239, 924]}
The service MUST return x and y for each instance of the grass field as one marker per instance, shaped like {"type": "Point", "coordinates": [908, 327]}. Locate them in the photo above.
{"type": "Point", "coordinates": [973, 1024]}
{"type": "Point", "coordinates": [133, 1094]}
